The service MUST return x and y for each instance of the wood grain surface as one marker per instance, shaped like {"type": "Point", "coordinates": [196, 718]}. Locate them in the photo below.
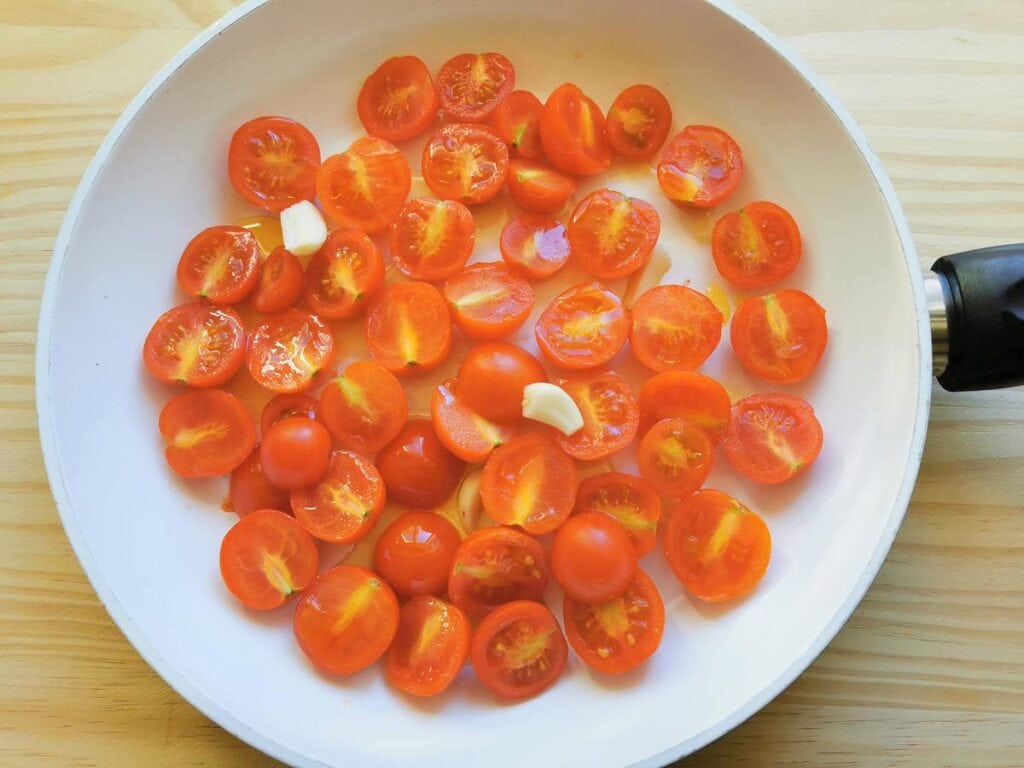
{"type": "Point", "coordinates": [930, 669]}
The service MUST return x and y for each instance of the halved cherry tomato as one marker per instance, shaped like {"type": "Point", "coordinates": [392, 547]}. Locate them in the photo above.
{"type": "Point", "coordinates": [700, 167]}
{"type": "Point", "coordinates": [415, 553]}
{"type": "Point", "coordinates": [536, 246]}
{"type": "Point", "coordinates": [272, 162]}
{"type": "Point", "coordinates": [280, 283]}
{"type": "Point", "coordinates": [772, 437]}
{"type": "Point", "coordinates": [488, 300]}
{"type": "Point", "coordinates": [431, 646]}
{"type": "Point", "coordinates": [583, 327]}
{"type": "Point", "coordinates": [250, 490]}
{"type": "Point", "coordinates": [285, 406]}
{"type": "Point", "coordinates": [432, 239]}
{"type": "Point", "coordinates": [345, 505]}
{"type": "Point", "coordinates": [206, 433]}
{"type": "Point", "coordinates": [220, 264]}
{"type": "Point", "coordinates": [494, 566]}
{"type": "Point", "coordinates": [675, 456]}
{"type": "Point", "coordinates": [288, 351]}
{"type": "Point", "coordinates": [266, 558]}
{"type": "Point", "coordinates": [346, 620]}
{"type": "Point", "coordinates": [398, 101]}
{"type": "Point", "coordinates": [756, 245]}
{"type": "Point", "coordinates": [462, 430]}
{"type": "Point", "coordinates": [780, 336]}
{"type": "Point", "coordinates": [296, 452]}
{"type": "Point", "coordinates": [674, 328]}
{"type": "Point", "coordinates": [537, 188]}
{"type": "Point", "coordinates": [612, 235]}
{"type": "Point", "coordinates": [572, 132]}
{"type": "Point", "coordinates": [638, 122]}
{"type": "Point", "coordinates": [529, 482]}
{"type": "Point", "coordinates": [593, 558]}
{"type": "Point", "coordinates": [365, 186]}
{"type": "Point", "coordinates": [195, 344]}
{"type": "Point", "coordinates": [630, 501]}
{"type": "Point", "coordinates": [716, 547]}
{"type": "Point", "coordinates": [408, 328]}
{"type": "Point", "coordinates": [517, 121]}
{"type": "Point", "coordinates": [343, 275]}
{"type": "Point", "coordinates": [610, 415]}
{"type": "Point", "coordinates": [686, 395]}
{"type": "Point", "coordinates": [364, 407]}
{"type": "Point", "coordinates": [465, 162]}
{"type": "Point", "coordinates": [492, 378]}
{"type": "Point", "coordinates": [418, 470]}
{"type": "Point", "coordinates": [470, 86]}
{"type": "Point", "coordinates": [518, 650]}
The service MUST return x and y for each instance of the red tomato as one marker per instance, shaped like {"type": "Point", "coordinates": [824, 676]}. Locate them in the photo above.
{"type": "Point", "coordinates": [343, 275]}
{"type": "Point", "coordinates": [529, 482]}
{"type": "Point", "coordinates": [465, 162]}
{"type": "Point", "coordinates": [630, 501]}
{"type": "Point", "coordinates": [593, 558]}
{"type": "Point", "coordinates": [206, 433]}
{"type": "Point", "coordinates": [517, 121]}
{"type": "Point", "coordinates": [492, 378]}
{"type": "Point", "coordinates": [756, 245]}
{"type": "Point", "coordinates": [220, 264]}
{"type": "Point", "coordinates": [272, 162]}
{"type": "Point", "coordinates": [494, 566]}
{"type": "Point", "coordinates": [195, 344]}
{"type": "Point", "coordinates": [364, 407]}
{"type": "Point", "coordinates": [296, 453]}
{"type": "Point", "coordinates": [780, 336]}
{"type": "Point", "coordinates": [488, 300]}
{"type": "Point", "coordinates": [638, 122]}
{"type": "Point", "coordinates": [432, 239]}
{"type": "Point", "coordinates": [675, 456]}
{"type": "Point", "coordinates": [398, 101]}
{"type": "Point", "coordinates": [408, 329]}
{"type": "Point", "coordinates": [346, 620]}
{"type": "Point", "coordinates": [621, 634]}
{"type": "Point", "coordinates": [583, 327]}
{"type": "Point", "coordinates": [700, 167]}
{"type": "Point", "coordinates": [538, 189]}
{"type": "Point", "coordinates": [518, 650]}
{"type": "Point", "coordinates": [572, 132]}
{"type": "Point", "coordinates": [772, 437]}
{"type": "Point", "coordinates": [415, 553]}
{"type": "Point", "coordinates": [286, 406]}
{"type": "Point", "coordinates": [610, 415]}
{"type": "Point", "coordinates": [280, 283]}
{"type": "Point", "coordinates": [266, 558]}
{"type": "Point", "coordinates": [611, 235]}
{"type": "Point", "coordinates": [686, 395]}
{"type": "Point", "coordinates": [470, 86]}
{"type": "Point", "coordinates": [250, 490]}
{"type": "Point", "coordinates": [287, 352]}
{"type": "Point", "coordinates": [345, 505]}
{"type": "Point", "coordinates": [716, 547]}
{"type": "Point", "coordinates": [674, 328]}
{"type": "Point", "coordinates": [365, 186]}
{"type": "Point", "coordinates": [462, 430]}
{"type": "Point", "coordinates": [535, 246]}
{"type": "Point", "coordinates": [417, 469]}
{"type": "Point", "coordinates": [431, 647]}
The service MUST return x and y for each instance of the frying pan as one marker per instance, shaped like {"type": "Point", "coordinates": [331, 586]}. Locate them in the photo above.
{"type": "Point", "coordinates": [148, 542]}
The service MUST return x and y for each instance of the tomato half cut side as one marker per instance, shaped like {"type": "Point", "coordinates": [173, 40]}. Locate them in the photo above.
{"type": "Point", "coordinates": [780, 336]}
{"type": "Point", "coordinates": [250, 490]}
{"type": "Point", "coordinates": [430, 648]}
{"type": "Point", "coordinates": [675, 456]}
{"type": "Point", "coordinates": [517, 121]}
{"type": "Point", "coordinates": [534, 245]}
{"type": "Point", "coordinates": [285, 407]}
{"type": "Point", "coordinates": [364, 407]}
{"type": "Point", "coordinates": [206, 433]}
{"type": "Point", "coordinates": [398, 100]}
{"type": "Point", "coordinates": [432, 239]}
{"type": "Point", "coordinates": [220, 264]}
{"type": "Point", "coordinates": [686, 395]}
{"type": "Point", "coordinates": [488, 300]}
{"type": "Point", "coordinates": [465, 162]}
{"type": "Point", "coordinates": [289, 351]}
{"type": "Point", "coordinates": [674, 328]}
{"type": "Point", "coordinates": [536, 188]}
{"type": "Point", "coordinates": [716, 547]}
{"type": "Point", "coordinates": [462, 430]}
{"type": "Point", "coordinates": [415, 553]}
{"type": "Point", "coordinates": [345, 505]}
{"type": "Point", "coordinates": [630, 501]}
{"type": "Point", "coordinates": [343, 275]}
{"type": "Point", "coordinates": [408, 328]}
{"type": "Point", "coordinates": [619, 635]}
{"type": "Point", "coordinates": [365, 186]}
{"type": "Point", "coordinates": [418, 470]}
{"type": "Point", "coordinates": [701, 166]}
{"type": "Point", "coordinates": [612, 235]}
{"type": "Point", "coordinates": [494, 566]}
{"type": "Point", "coordinates": [280, 282]}
{"type": "Point", "coordinates": [638, 122]}
{"type": "Point", "coordinates": [756, 245]}
{"type": "Point", "coordinates": [773, 437]}
{"type": "Point", "coordinates": [266, 558]}
{"type": "Point", "coordinates": [610, 412]}
{"type": "Point", "coordinates": [492, 378]}
{"type": "Point", "coordinates": [195, 344]}
{"type": "Point", "coordinates": [518, 650]}
{"type": "Point", "coordinates": [583, 327]}
{"type": "Point", "coordinates": [346, 619]}
{"type": "Point", "coordinates": [572, 132]}
{"type": "Point", "coordinates": [272, 163]}
{"type": "Point", "coordinates": [470, 86]}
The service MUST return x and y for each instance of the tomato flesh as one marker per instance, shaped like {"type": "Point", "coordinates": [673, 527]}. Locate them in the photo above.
{"type": "Point", "coordinates": [206, 433]}
{"type": "Point", "coordinates": [517, 121]}
{"type": "Point", "coordinates": [286, 406]}
{"type": "Point", "coordinates": [472, 85]}
{"type": "Point", "coordinates": [398, 100]}
{"type": "Point", "coordinates": [344, 506]}
{"type": "Point", "coordinates": [756, 245]}
{"type": "Point", "coordinates": [572, 132]}
{"type": "Point", "coordinates": [630, 501]}
{"type": "Point", "coordinates": [432, 239]}
{"type": "Point", "coordinates": [583, 327]}
{"type": "Point", "coordinates": [675, 456]}
{"type": "Point", "coordinates": [686, 395]}
{"type": "Point", "coordinates": [272, 163]}
{"type": "Point", "coordinates": [195, 344]}
{"type": "Point", "coordinates": [536, 188]}
{"type": "Point", "coordinates": [536, 246]}
{"type": "Point", "coordinates": [612, 235]}
{"type": "Point", "coordinates": [415, 553]}
{"type": "Point", "coordinates": [364, 407]}
{"type": "Point", "coordinates": [488, 300]}
{"type": "Point", "coordinates": [638, 122]}
{"type": "Point", "coordinates": [772, 437]}
{"type": "Point", "coordinates": [463, 431]}
{"type": "Point", "coordinates": [700, 167]}
{"type": "Point", "coordinates": [344, 275]}
{"type": "Point", "coordinates": [494, 566]}
{"type": "Point", "coordinates": [674, 328]}
{"type": "Point", "coordinates": [780, 336]}
{"type": "Point", "coordinates": [610, 412]}
{"type": "Point", "coordinates": [365, 186]}
{"type": "Point", "coordinates": [280, 283]}
{"type": "Point", "coordinates": [465, 162]}
{"type": "Point", "coordinates": [408, 329]}
{"type": "Point", "coordinates": [430, 648]}
{"type": "Point", "coordinates": [220, 264]}
{"type": "Point", "coordinates": [289, 351]}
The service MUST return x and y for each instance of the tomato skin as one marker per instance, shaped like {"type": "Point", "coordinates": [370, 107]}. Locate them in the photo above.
{"type": "Point", "coordinates": [285, 406]}
{"type": "Point", "coordinates": [471, 85]}
{"type": "Point", "coordinates": [610, 412]}
{"type": "Point", "coordinates": [536, 246]}
{"type": "Point", "coordinates": [280, 283]}
{"type": "Point", "coordinates": [364, 407]}
{"type": "Point", "coordinates": [365, 186]}
{"type": "Point", "coordinates": [347, 252]}
{"type": "Point", "coordinates": [630, 501]}
{"type": "Point", "coordinates": [780, 336]}
{"type": "Point", "coordinates": [494, 566]}
{"type": "Point", "coordinates": [262, 536]}
{"type": "Point", "coordinates": [250, 490]}
{"type": "Point", "coordinates": [756, 245]}
{"type": "Point", "coordinates": [346, 504]}
{"type": "Point", "coordinates": [289, 351]}
{"type": "Point", "coordinates": [408, 329]}
{"type": "Point", "coordinates": [517, 121]}
{"type": "Point", "coordinates": [414, 554]}
{"type": "Point", "coordinates": [206, 433]}
{"type": "Point", "coordinates": [432, 239]}
{"type": "Point", "coordinates": [296, 453]}
{"type": "Point", "coordinates": [449, 175]}
{"type": "Point", "coordinates": [675, 456]}
{"type": "Point", "coordinates": [288, 177]}
{"type": "Point", "coordinates": [583, 327]}
{"type": "Point", "coordinates": [418, 470]}
{"type": "Point", "coordinates": [593, 558]}
{"type": "Point", "coordinates": [538, 189]}
{"type": "Point", "coordinates": [462, 430]}
{"type": "Point", "coordinates": [488, 300]}
{"type": "Point", "coordinates": [701, 166]}
{"type": "Point", "coordinates": [638, 122]}
{"type": "Point", "coordinates": [195, 344]}
{"type": "Point", "coordinates": [674, 328]}
{"type": "Point", "coordinates": [772, 437]}
{"type": "Point", "coordinates": [422, 668]}
{"type": "Point", "coordinates": [686, 395]}
{"type": "Point", "coordinates": [611, 235]}
{"type": "Point", "coordinates": [403, 118]}
{"type": "Point", "coordinates": [517, 629]}
{"type": "Point", "coordinates": [572, 132]}
{"type": "Point", "coordinates": [492, 378]}
{"type": "Point", "coordinates": [220, 264]}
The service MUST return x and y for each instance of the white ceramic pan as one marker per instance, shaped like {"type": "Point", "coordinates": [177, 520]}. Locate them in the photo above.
{"type": "Point", "coordinates": [148, 542]}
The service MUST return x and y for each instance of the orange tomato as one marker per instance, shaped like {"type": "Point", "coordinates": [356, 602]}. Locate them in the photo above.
{"type": "Point", "coordinates": [638, 122]}
{"type": "Point", "coordinates": [488, 300]}
{"type": "Point", "coordinates": [610, 415]}
{"type": "Point", "coordinates": [630, 501]}
{"type": "Point", "coordinates": [492, 378]}
{"type": "Point", "coordinates": [675, 456]}
{"type": "Point", "coordinates": [517, 121]}
{"type": "Point", "coordinates": [432, 239]}
{"type": "Point", "coordinates": [572, 132]}
{"type": "Point", "coordinates": [408, 328]}
{"type": "Point", "coordinates": [280, 283]}
{"type": "Point", "coordinates": [343, 275]}
{"type": "Point", "coordinates": [220, 264]}
{"type": "Point", "coordinates": [780, 336]}
{"type": "Point", "coordinates": [611, 235]}
{"type": "Point", "coordinates": [462, 430]}
{"type": "Point", "coordinates": [290, 350]}
{"type": "Point", "coordinates": [583, 327]}
{"type": "Point", "coordinates": [494, 566]}
{"type": "Point", "coordinates": [415, 553]}
{"type": "Point", "coordinates": [536, 188]}
{"type": "Point", "coordinates": [701, 166]}
{"type": "Point", "coordinates": [430, 648]}
{"type": "Point", "coordinates": [206, 433]}
{"type": "Point", "coordinates": [365, 186]}
{"type": "Point", "coordinates": [471, 86]}
{"type": "Point", "coordinates": [273, 162]}
{"type": "Point", "coordinates": [364, 407]}
{"type": "Point", "coordinates": [536, 246]}
{"type": "Point", "coordinates": [195, 344]}
{"type": "Point", "coordinates": [345, 505]}
{"type": "Point", "coordinates": [772, 437]}
{"type": "Point", "coordinates": [417, 469]}
{"type": "Point", "coordinates": [593, 558]}
{"type": "Point", "coordinates": [465, 162]}
{"type": "Point", "coordinates": [674, 328]}
{"type": "Point", "coordinates": [756, 245]}
{"type": "Point", "coordinates": [398, 100]}
{"type": "Point", "coordinates": [686, 395]}
{"type": "Point", "coordinates": [250, 490]}
{"type": "Point", "coordinates": [296, 452]}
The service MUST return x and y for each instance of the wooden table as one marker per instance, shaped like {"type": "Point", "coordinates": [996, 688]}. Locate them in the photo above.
{"type": "Point", "coordinates": [930, 669]}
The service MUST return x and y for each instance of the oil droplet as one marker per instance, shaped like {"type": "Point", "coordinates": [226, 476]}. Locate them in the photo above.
{"type": "Point", "coordinates": [700, 225]}
{"type": "Point", "coordinates": [266, 230]}
{"type": "Point", "coordinates": [720, 299]}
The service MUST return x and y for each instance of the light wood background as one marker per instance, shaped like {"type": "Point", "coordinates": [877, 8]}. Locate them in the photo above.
{"type": "Point", "coordinates": [930, 669]}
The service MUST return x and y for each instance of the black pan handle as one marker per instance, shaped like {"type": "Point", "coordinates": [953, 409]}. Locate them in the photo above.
{"type": "Point", "coordinates": [982, 332]}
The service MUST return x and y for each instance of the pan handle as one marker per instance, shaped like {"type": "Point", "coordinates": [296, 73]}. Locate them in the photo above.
{"type": "Point", "coordinates": [976, 304]}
